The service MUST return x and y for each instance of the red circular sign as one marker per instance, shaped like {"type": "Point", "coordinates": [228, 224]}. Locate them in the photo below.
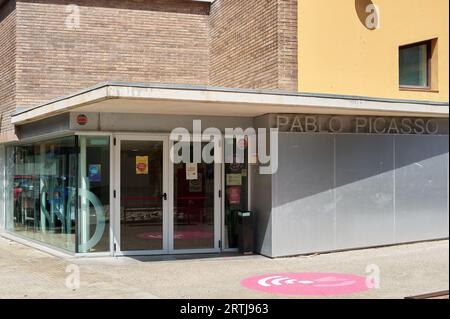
{"type": "Point", "coordinates": [82, 119]}
{"type": "Point", "coordinates": [307, 284]}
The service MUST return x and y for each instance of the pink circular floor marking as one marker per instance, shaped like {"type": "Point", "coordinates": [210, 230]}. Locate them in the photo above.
{"type": "Point", "coordinates": [307, 284]}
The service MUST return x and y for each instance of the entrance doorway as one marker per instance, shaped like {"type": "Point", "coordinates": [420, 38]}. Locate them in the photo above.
{"type": "Point", "coordinates": [163, 207]}
{"type": "Point", "coordinates": [195, 214]}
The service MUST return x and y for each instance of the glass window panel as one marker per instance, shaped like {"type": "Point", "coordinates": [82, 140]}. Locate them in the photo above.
{"type": "Point", "coordinates": [194, 204]}
{"type": "Point", "coordinates": [414, 66]}
{"type": "Point", "coordinates": [236, 188]}
{"type": "Point", "coordinates": [42, 183]}
{"type": "Point", "coordinates": [9, 196]}
{"type": "Point", "coordinates": [141, 200]}
{"type": "Point", "coordinates": [94, 194]}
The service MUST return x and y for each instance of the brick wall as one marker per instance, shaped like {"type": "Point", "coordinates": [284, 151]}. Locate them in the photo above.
{"type": "Point", "coordinates": [287, 45]}
{"type": "Point", "coordinates": [163, 41]}
{"type": "Point", "coordinates": [230, 43]}
{"type": "Point", "coordinates": [7, 69]}
{"type": "Point", "coordinates": [243, 44]}
{"type": "Point", "coordinates": [253, 44]}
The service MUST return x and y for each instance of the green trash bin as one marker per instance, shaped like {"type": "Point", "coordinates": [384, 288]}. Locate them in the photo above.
{"type": "Point", "coordinates": [246, 232]}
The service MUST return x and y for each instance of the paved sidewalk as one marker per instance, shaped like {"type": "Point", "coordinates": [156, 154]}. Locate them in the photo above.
{"type": "Point", "coordinates": [28, 273]}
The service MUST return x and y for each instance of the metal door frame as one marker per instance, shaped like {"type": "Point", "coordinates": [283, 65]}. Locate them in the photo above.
{"type": "Point", "coordinates": [116, 186]}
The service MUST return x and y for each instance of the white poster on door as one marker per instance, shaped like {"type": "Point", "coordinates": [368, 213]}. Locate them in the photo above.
{"type": "Point", "coordinates": [191, 172]}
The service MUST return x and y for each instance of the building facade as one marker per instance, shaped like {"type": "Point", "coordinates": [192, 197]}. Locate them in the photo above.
{"type": "Point", "coordinates": [350, 98]}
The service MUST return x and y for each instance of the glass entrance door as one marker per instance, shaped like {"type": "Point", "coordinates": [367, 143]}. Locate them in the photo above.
{"type": "Point", "coordinates": [162, 207]}
{"type": "Point", "coordinates": [142, 195]}
{"type": "Point", "coordinates": [196, 206]}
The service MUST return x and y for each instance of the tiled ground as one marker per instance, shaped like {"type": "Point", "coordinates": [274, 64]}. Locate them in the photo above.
{"type": "Point", "coordinates": [28, 273]}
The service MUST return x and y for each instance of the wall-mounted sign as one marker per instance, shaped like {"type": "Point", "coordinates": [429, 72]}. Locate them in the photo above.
{"type": "Point", "coordinates": [82, 119]}
{"type": "Point", "coordinates": [305, 123]}
{"type": "Point", "coordinates": [234, 195]}
{"type": "Point", "coordinates": [368, 13]}
{"type": "Point", "coordinates": [85, 121]}
{"type": "Point", "coordinates": [141, 165]}
{"type": "Point", "coordinates": [234, 180]}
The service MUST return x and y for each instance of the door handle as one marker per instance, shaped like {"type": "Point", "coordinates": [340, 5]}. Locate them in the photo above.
{"type": "Point", "coordinates": [164, 196]}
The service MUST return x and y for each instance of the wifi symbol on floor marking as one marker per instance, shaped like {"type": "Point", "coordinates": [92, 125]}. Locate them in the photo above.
{"type": "Point", "coordinates": [280, 281]}
{"type": "Point", "coordinates": [307, 284]}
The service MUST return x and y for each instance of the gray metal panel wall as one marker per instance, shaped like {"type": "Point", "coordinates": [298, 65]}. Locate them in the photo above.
{"type": "Point", "coordinates": [421, 187]}
{"type": "Point", "coordinates": [364, 170]}
{"type": "Point", "coordinates": [53, 124]}
{"type": "Point", "coordinates": [346, 191]}
{"type": "Point", "coordinates": [130, 122]}
{"type": "Point", "coordinates": [262, 204]}
{"type": "Point", "coordinates": [166, 123]}
{"type": "Point", "coordinates": [303, 197]}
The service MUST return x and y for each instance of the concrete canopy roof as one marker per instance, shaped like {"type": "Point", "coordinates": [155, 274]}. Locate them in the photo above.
{"type": "Point", "coordinates": [116, 97]}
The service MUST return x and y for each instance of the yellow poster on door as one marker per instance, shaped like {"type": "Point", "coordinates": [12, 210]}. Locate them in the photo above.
{"type": "Point", "coordinates": [142, 165]}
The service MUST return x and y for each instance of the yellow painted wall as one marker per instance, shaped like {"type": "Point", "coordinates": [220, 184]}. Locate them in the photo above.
{"type": "Point", "coordinates": [339, 55]}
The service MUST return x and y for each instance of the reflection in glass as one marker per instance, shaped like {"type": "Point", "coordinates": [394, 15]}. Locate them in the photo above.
{"type": "Point", "coordinates": [42, 183]}
{"type": "Point", "coordinates": [141, 190]}
{"type": "Point", "coordinates": [194, 206]}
